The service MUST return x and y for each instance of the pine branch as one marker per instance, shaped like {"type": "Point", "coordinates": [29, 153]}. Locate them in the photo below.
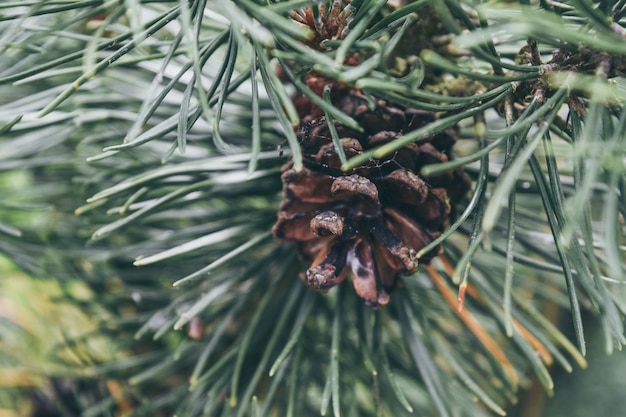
{"type": "Point", "coordinates": [152, 114]}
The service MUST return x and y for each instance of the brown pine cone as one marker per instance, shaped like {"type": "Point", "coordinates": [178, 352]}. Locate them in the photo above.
{"type": "Point", "coordinates": [374, 219]}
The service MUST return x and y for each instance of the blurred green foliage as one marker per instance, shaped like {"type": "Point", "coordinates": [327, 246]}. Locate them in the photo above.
{"type": "Point", "coordinates": [140, 152]}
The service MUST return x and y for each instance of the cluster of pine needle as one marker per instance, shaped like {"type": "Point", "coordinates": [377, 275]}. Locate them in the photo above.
{"type": "Point", "coordinates": [141, 150]}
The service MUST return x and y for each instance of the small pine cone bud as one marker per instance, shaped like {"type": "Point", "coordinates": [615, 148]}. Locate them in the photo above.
{"type": "Point", "coordinates": [373, 220]}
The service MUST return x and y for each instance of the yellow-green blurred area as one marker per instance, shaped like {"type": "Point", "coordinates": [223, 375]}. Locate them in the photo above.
{"type": "Point", "coordinates": [35, 328]}
{"type": "Point", "coordinates": [597, 391]}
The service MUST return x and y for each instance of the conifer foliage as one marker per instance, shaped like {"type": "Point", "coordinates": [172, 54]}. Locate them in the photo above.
{"type": "Point", "coordinates": [451, 163]}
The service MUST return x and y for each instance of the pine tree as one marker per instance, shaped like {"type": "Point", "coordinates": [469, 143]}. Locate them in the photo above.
{"type": "Point", "coordinates": [447, 170]}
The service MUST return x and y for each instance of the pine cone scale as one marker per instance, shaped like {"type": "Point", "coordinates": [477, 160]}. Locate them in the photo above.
{"type": "Point", "coordinates": [367, 283]}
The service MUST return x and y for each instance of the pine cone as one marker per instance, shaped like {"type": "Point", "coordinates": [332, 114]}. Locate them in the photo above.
{"type": "Point", "coordinates": [373, 219]}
